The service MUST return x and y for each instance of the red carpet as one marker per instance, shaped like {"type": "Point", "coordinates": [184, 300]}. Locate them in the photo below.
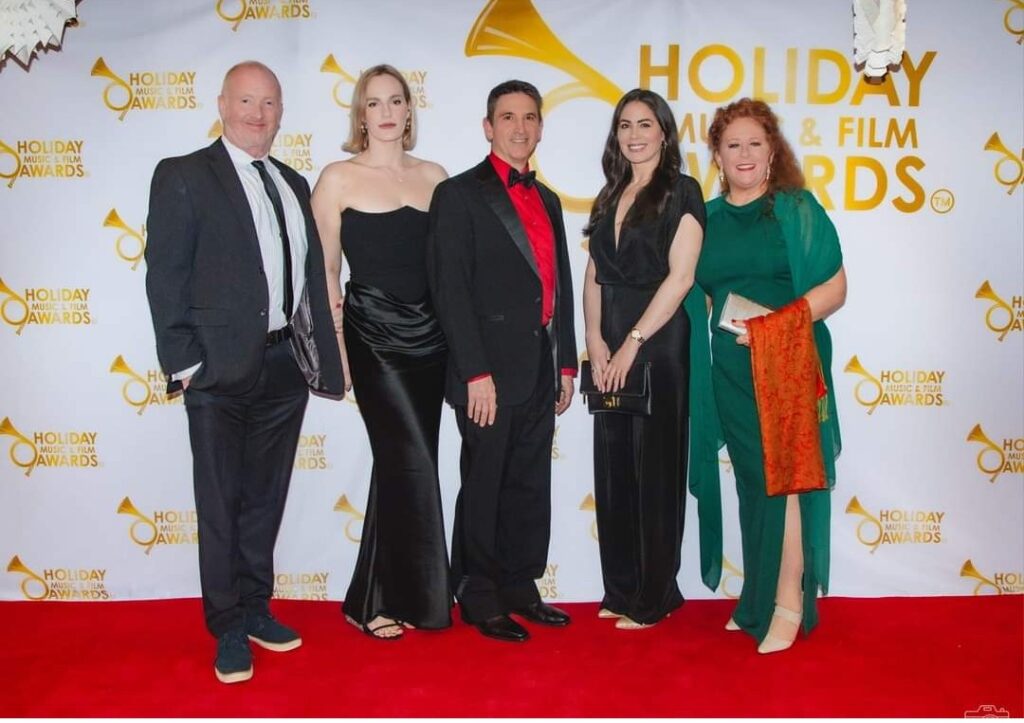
{"type": "Point", "coordinates": [902, 657]}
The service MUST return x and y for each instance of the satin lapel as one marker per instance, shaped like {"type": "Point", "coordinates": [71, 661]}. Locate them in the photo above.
{"type": "Point", "coordinates": [224, 169]}
{"type": "Point", "coordinates": [494, 193]}
{"type": "Point", "coordinates": [557, 229]}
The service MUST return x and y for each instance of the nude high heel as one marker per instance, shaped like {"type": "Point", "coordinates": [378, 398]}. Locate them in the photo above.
{"type": "Point", "coordinates": [731, 626]}
{"type": "Point", "coordinates": [771, 644]}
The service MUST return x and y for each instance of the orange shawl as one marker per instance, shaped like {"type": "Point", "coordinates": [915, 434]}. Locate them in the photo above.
{"type": "Point", "coordinates": [789, 390]}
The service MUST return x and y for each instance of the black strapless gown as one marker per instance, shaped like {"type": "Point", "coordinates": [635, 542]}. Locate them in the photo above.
{"type": "Point", "coordinates": [397, 356]}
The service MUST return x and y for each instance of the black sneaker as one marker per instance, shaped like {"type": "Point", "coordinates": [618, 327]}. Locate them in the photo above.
{"type": "Point", "coordinates": [266, 632]}
{"type": "Point", "coordinates": [234, 659]}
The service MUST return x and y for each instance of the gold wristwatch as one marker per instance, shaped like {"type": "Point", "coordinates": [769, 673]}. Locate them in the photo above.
{"type": "Point", "coordinates": [636, 336]}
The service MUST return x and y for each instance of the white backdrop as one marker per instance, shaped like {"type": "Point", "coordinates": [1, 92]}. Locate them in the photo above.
{"type": "Point", "coordinates": [922, 175]}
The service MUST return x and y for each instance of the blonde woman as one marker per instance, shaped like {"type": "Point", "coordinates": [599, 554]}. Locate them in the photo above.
{"type": "Point", "coordinates": [374, 207]}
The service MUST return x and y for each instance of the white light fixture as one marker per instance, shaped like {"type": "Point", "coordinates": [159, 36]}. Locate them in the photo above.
{"type": "Point", "coordinates": [29, 25]}
{"type": "Point", "coordinates": [879, 35]}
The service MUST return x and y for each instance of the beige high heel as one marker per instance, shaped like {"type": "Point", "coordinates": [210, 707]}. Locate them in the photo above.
{"type": "Point", "coordinates": [606, 614]}
{"type": "Point", "coordinates": [771, 644]}
{"type": "Point", "coordinates": [731, 626]}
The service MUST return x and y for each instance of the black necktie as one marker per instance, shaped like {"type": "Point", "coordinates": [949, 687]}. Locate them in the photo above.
{"type": "Point", "coordinates": [526, 179]}
{"type": "Point", "coordinates": [275, 201]}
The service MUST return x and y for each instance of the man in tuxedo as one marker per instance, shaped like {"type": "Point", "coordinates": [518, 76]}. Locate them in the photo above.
{"type": "Point", "coordinates": [238, 296]}
{"type": "Point", "coordinates": [501, 286]}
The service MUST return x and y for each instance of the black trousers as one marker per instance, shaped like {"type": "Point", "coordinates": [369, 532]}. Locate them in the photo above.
{"type": "Point", "coordinates": [503, 512]}
{"type": "Point", "coordinates": [243, 450]}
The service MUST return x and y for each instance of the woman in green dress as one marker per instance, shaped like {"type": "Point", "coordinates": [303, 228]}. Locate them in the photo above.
{"type": "Point", "coordinates": [768, 240]}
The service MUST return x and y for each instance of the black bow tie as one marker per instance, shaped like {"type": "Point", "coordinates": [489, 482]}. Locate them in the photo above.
{"type": "Point", "coordinates": [526, 179]}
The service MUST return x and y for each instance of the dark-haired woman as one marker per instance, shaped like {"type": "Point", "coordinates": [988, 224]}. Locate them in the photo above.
{"type": "Point", "coordinates": [769, 240]}
{"type": "Point", "coordinates": [645, 231]}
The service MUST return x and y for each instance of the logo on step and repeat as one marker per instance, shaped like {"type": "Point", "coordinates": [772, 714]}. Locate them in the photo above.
{"type": "Point", "coordinates": [301, 585]}
{"type": "Point", "coordinates": [50, 448]}
{"type": "Point", "coordinates": [995, 458]}
{"type": "Point", "coordinates": [999, 583]}
{"type": "Point", "coordinates": [354, 523]}
{"type": "Point", "coordinates": [1001, 317]}
{"type": "Point", "coordinates": [144, 390]}
{"type": "Point", "coordinates": [547, 586]}
{"type": "Point", "coordinates": [146, 90]}
{"type": "Point", "coordinates": [732, 580]}
{"type": "Point", "coordinates": [293, 148]}
{"type": "Point", "coordinates": [130, 244]}
{"type": "Point", "coordinates": [238, 11]}
{"type": "Point", "coordinates": [1013, 20]}
{"type": "Point", "coordinates": [896, 526]}
{"type": "Point", "coordinates": [60, 583]}
{"type": "Point", "coordinates": [50, 158]}
{"type": "Point", "coordinates": [1009, 168]}
{"type": "Point", "coordinates": [44, 306]}
{"type": "Point", "coordinates": [341, 92]}
{"type": "Point", "coordinates": [896, 387]}
{"type": "Point", "coordinates": [871, 154]}
{"type": "Point", "coordinates": [312, 453]}
{"type": "Point", "coordinates": [589, 505]}
{"type": "Point", "coordinates": [160, 527]}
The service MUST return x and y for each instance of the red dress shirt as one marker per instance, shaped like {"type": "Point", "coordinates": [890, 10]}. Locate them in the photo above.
{"type": "Point", "coordinates": [533, 214]}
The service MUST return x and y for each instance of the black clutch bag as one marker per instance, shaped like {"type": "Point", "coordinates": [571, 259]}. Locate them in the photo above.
{"type": "Point", "coordinates": [633, 398]}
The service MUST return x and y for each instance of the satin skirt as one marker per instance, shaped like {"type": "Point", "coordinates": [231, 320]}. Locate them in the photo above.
{"type": "Point", "coordinates": [640, 467]}
{"type": "Point", "coordinates": [397, 356]}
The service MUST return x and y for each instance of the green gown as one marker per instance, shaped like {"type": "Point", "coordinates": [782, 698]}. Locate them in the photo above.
{"type": "Point", "coordinates": [745, 252]}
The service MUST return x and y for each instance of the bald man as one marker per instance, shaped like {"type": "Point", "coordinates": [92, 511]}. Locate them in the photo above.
{"type": "Point", "coordinates": [238, 295]}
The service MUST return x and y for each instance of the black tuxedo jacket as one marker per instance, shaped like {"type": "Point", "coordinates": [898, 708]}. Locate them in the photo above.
{"type": "Point", "coordinates": [486, 288]}
{"type": "Point", "coordinates": [206, 285]}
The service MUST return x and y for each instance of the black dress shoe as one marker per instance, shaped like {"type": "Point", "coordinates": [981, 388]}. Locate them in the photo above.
{"type": "Point", "coordinates": [543, 613]}
{"type": "Point", "coordinates": [502, 627]}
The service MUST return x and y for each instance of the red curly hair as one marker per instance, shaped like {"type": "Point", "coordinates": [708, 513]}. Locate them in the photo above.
{"type": "Point", "coordinates": [785, 173]}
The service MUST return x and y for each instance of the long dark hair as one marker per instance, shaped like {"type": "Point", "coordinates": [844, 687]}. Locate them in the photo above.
{"type": "Point", "coordinates": [618, 172]}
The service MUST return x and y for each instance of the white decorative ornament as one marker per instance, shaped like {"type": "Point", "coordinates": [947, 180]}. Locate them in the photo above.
{"type": "Point", "coordinates": [879, 35]}
{"type": "Point", "coordinates": [28, 25]}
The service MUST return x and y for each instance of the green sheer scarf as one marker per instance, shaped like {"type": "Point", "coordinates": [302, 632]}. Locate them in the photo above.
{"type": "Point", "coordinates": [812, 246]}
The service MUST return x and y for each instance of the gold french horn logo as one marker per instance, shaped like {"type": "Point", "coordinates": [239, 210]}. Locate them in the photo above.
{"type": "Point", "coordinates": [31, 580]}
{"type": "Point", "coordinates": [11, 177]}
{"type": "Point", "coordinates": [330, 65]}
{"type": "Point", "coordinates": [977, 434]}
{"type": "Point", "coordinates": [1014, 172]}
{"type": "Point", "coordinates": [116, 84]}
{"type": "Point", "coordinates": [236, 18]}
{"type": "Point", "coordinates": [869, 539]}
{"type": "Point", "coordinates": [146, 536]}
{"type": "Point", "coordinates": [731, 577]}
{"type": "Point", "coordinates": [1016, 8]}
{"type": "Point", "coordinates": [872, 393]}
{"type": "Point", "coordinates": [30, 454]}
{"type": "Point", "coordinates": [357, 517]}
{"type": "Point", "coordinates": [589, 504]}
{"type": "Point", "coordinates": [216, 130]}
{"type": "Point", "coordinates": [136, 390]}
{"type": "Point", "coordinates": [985, 291]}
{"type": "Point", "coordinates": [130, 246]}
{"type": "Point", "coordinates": [969, 570]}
{"type": "Point", "coordinates": [515, 28]}
{"type": "Point", "coordinates": [13, 300]}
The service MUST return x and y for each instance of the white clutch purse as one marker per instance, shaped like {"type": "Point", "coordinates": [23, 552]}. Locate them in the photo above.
{"type": "Point", "coordinates": [739, 308]}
